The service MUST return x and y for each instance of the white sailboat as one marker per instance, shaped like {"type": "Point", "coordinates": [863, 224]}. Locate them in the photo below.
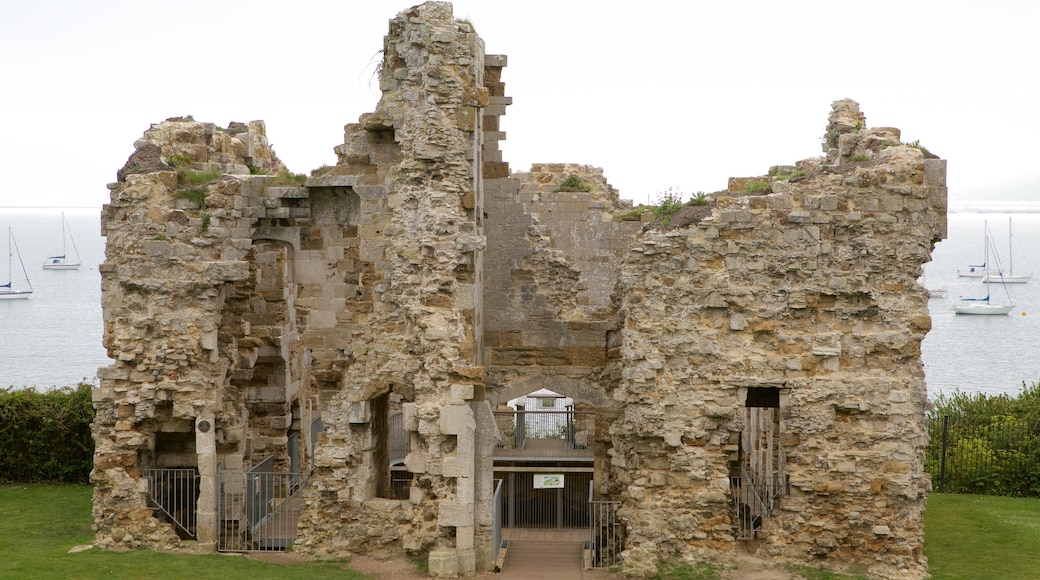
{"type": "Point", "coordinates": [984, 305]}
{"type": "Point", "coordinates": [1008, 277]}
{"type": "Point", "coordinates": [63, 262]}
{"type": "Point", "coordinates": [7, 291]}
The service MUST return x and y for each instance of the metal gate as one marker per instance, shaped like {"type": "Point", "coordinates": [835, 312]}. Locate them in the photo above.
{"type": "Point", "coordinates": [606, 540]}
{"type": "Point", "coordinates": [525, 506]}
{"type": "Point", "coordinates": [174, 494]}
{"type": "Point", "coordinates": [258, 509]}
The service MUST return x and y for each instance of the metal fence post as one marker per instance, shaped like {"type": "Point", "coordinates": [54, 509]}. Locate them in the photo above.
{"type": "Point", "coordinates": [942, 460]}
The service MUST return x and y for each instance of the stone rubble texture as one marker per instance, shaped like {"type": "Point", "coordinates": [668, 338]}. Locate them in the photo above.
{"type": "Point", "coordinates": [420, 275]}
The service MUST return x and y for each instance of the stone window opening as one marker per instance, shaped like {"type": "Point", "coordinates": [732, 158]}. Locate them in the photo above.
{"type": "Point", "coordinates": [390, 446]}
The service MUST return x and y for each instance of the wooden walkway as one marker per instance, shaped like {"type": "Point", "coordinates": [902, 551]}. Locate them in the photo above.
{"type": "Point", "coordinates": [537, 554]}
{"type": "Point", "coordinates": [545, 448]}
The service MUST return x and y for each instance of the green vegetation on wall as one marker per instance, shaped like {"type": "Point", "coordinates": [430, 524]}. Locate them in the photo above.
{"type": "Point", "coordinates": [574, 183]}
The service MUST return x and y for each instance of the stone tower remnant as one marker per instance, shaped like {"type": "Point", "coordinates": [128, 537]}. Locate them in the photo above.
{"type": "Point", "coordinates": [754, 367]}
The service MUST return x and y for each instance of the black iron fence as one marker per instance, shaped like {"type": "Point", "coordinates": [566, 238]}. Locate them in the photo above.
{"type": "Point", "coordinates": [998, 455]}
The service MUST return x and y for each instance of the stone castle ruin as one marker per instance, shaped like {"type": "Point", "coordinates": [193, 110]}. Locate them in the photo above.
{"type": "Point", "coordinates": [748, 378]}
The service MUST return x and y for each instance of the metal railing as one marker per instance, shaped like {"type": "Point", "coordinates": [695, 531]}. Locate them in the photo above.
{"type": "Point", "coordinates": [526, 506]}
{"type": "Point", "coordinates": [259, 509]}
{"type": "Point", "coordinates": [605, 533]}
{"type": "Point", "coordinates": [753, 501]}
{"type": "Point", "coordinates": [174, 493]}
{"type": "Point", "coordinates": [546, 434]}
{"type": "Point", "coordinates": [997, 455]}
{"type": "Point", "coordinates": [496, 537]}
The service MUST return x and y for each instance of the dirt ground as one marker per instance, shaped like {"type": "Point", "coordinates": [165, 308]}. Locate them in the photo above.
{"type": "Point", "coordinates": [399, 568]}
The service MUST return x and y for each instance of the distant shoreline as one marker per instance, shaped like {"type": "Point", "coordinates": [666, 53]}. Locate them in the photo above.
{"type": "Point", "coordinates": [994, 207]}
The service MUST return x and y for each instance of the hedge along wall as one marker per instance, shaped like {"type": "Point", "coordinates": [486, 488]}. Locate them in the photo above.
{"type": "Point", "coordinates": [45, 435]}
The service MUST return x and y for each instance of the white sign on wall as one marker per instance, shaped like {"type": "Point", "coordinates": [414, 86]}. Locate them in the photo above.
{"type": "Point", "coordinates": [548, 480]}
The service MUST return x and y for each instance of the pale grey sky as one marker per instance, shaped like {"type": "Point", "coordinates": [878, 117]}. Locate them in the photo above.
{"type": "Point", "coordinates": [657, 93]}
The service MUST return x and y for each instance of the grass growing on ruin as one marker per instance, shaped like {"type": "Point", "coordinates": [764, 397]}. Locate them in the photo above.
{"type": "Point", "coordinates": [194, 195]}
{"type": "Point", "coordinates": [668, 202]}
{"type": "Point", "coordinates": [699, 198]}
{"type": "Point", "coordinates": [288, 178]}
{"type": "Point", "coordinates": [197, 177]}
{"type": "Point", "coordinates": [758, 186]}
{"type": "Point", "coordinates": [40, 523]}
{"type": "Point", "coordinates": [574, 183]}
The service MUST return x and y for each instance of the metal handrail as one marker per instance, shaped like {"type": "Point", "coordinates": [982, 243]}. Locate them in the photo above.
{"type": "Point", "coordinates": [605, 542]}
{"type": "Point", "coordinates": [496, 537]}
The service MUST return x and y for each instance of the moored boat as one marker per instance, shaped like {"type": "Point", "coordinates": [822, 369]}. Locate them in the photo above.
{"type": "Point", "coordinates": [7, 291]}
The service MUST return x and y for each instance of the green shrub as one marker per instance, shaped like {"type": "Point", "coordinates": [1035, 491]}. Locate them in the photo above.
{"type": "Point", "coordinates": [197, 177]}
{"type": "Point", "coordinates": [916, 144]}
{"type": "Point", "coordinates": [992, 443]}
{"type": "Point", "coordinates": [194, 195]}
{"type": "Point", "coordinates": [284, 177]}
{"type": "Point", "coordinates": [758, 186]}
{"type": "Point", "coordinates": [860, 157]}
{"type": "Point", "coordinates": [206, 217]}
{"type": "Point", "coordinates": [699, 199]}
{"type": "Point", "coordinates": [574, 183]}
{"type": "Point", "coordinates": [632, 215]}
{"type": "Point", "coordinates": [46, 435]}
{"type": "Point", "coordinates": [179, 160]}
{"type": "Point", "coordinates": [668, 202]}
{"type": "Point", "coordinates": [783, 173]}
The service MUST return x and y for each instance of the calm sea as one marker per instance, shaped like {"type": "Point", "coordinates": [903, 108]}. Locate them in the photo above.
{"type": "Point", "coordinates": [54, 338]}
{"type": "Point", "coordinates": [987, 354]}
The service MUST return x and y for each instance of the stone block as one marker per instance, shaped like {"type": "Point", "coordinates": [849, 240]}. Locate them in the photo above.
{"type": "Point", "coordinates": [443, 563]}
{"type": "Point", "coordinates": [453, 514]}
{"type": "Point", "coordinates": [467, 561]}
{"type": "Point", "coordinates": [461, 392]}
{"type": "Point", "coordinates": [415, 462]}
{"type": "Point", "coordinates": [457, 420]}
{"type": "Point", "coordinates": [799, 217]}
{"type": "Point", "coordinates": [409, 420]}
{"type": "Point", "coordinates": [359, 412]}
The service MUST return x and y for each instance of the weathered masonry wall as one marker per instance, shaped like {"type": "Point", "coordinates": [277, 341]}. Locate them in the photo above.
{"type": "Point", "coordinates": [766, 340]}
{"type": "Point", "coordinates": [245, 310]}
{"type": "Point", "coordinates": [809, 292]}
{"type": "Point", "coordinates": [421, 239]}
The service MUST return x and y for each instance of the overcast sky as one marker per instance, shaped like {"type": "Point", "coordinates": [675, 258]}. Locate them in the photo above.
{"type": "Point", "coordinates": [660, 94]}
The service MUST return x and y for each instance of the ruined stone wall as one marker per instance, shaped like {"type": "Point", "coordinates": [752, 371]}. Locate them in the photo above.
{"type": "Point", "coordinates": [241, 309]}
{"type": "Point", "coordinates": [551, 274]}
{"type": "Point", "coordinates": [420, 240]}
{"type": "Point", "coordinates": [552, 317]}
{"type": "Point", "coordinates": [179, 266]}
{"type": "Point", "coordinates": [809, 289]}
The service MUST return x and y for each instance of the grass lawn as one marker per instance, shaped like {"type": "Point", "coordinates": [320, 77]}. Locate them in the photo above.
{"type": "Point", "coordinates": [980, 537]}
{"type": "Point", "coordinates": [968, 537]}
{"type": "Point", "coordinates": [40, 523]}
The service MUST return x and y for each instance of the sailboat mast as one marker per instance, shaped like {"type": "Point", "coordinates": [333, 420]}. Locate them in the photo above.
{"type": "Point", "coordinates": [985, 252]}
{"type": "Point", "coordinates": [1011, 254]}
{"type": "Point", "coordinates": [63, 251]}
{"type": "Point", "coordinates": [71, 239]}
